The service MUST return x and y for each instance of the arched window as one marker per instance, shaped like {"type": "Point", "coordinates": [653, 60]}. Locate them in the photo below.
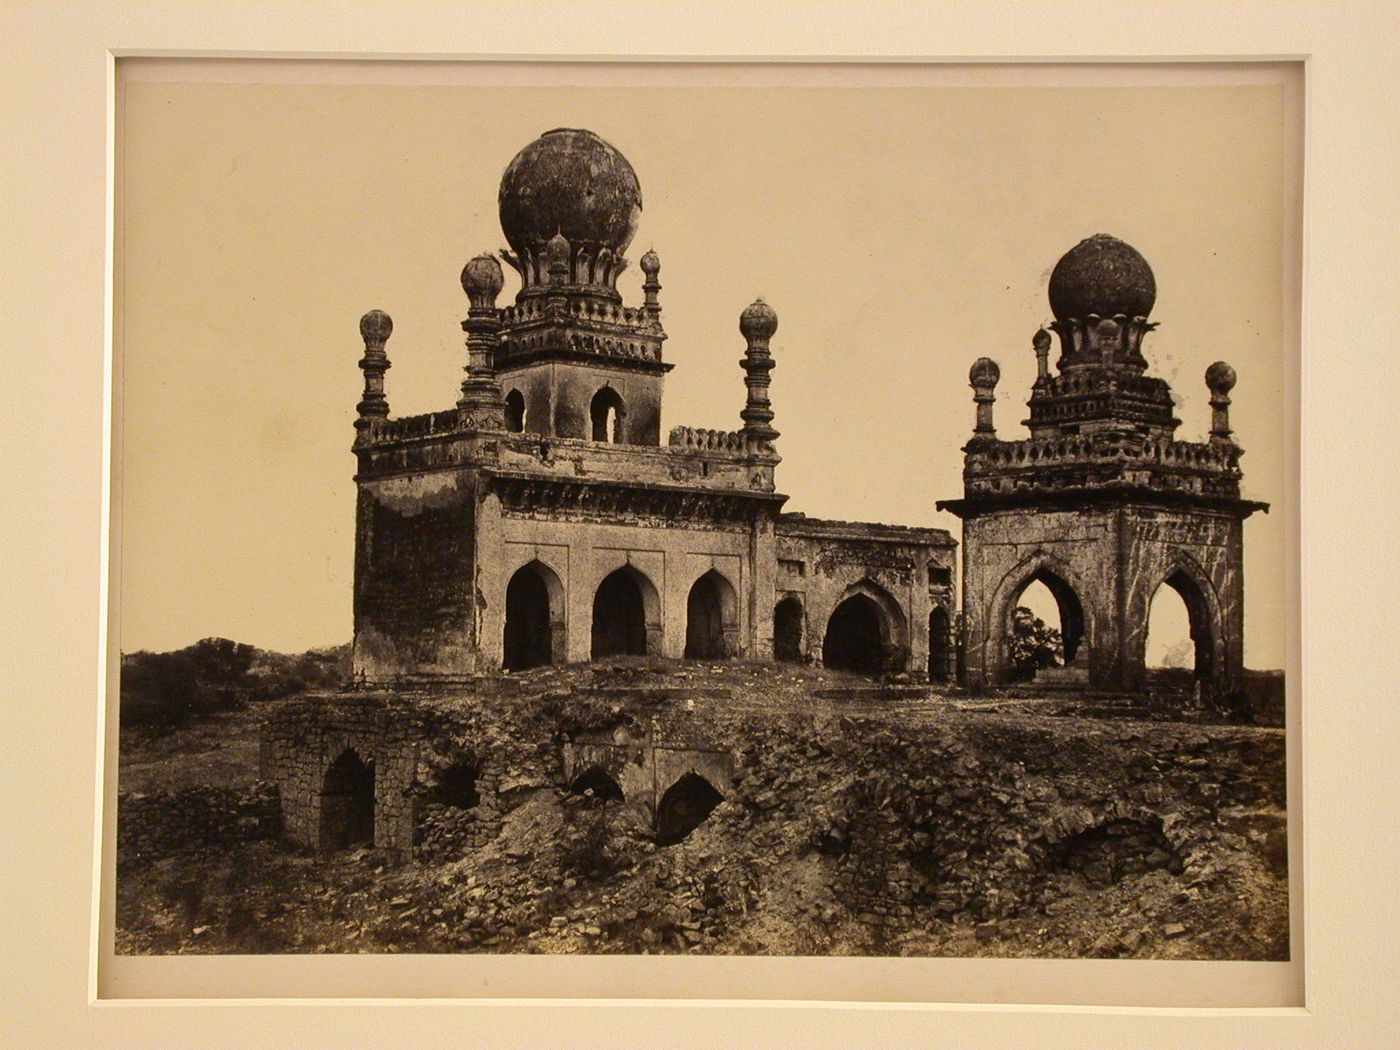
{"type": "Point", "coordinates": [347, 803]}
{"type": "Point", "coordinates": [515, 412]}
{"type": "Point", "coordinates": [787, 630]}
{"type": "Point", "coordinates": [606, 413]}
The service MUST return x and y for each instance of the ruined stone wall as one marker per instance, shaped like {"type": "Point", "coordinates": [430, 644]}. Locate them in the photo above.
{"type": "Point", "coordinates": [302, 738]}
{"type": "Point", "coordinates": [822, 571]}
{"type": "Point", "coordinates": [645, 764]}
{"type": "Point", "coordinates": [413, 575]}
{"type": "Point", "coordinates": [151, 826]}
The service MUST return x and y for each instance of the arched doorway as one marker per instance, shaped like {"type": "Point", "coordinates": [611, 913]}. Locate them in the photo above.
{"type": "Point", "coordinates": [787, 630]}
{"type": "Point", "coordinates": [1180, 633]}
{"type": "Point", "coordinates": [857, 636]}
{"type": "Point", "coordinates": [515, 411]}
{"type": "Point", "coordinates": [1044, 626]}
{"type": "Point", "coordinates": [347, 803]}
{"type": "Point", "coordinates": [940, 645]}
{"type": "Point", "coordinates": [620, 615]}
{"type": "Point", "coordinates": [684, 807]}
{"type": "Point", "coordinates": [710, 615]}
{"type": "Point", "coordinates": [606, 414]}
{"type": "Point", "coordinates": [595, 784]}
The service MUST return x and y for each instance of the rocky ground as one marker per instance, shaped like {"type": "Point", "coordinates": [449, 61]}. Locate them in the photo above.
{"type": "Point", "coordinates": [913, 822]}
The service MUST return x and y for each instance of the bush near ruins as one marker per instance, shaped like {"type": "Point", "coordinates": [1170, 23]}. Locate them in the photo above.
{"type": "Point", "coordinates": [166, 690]}
{"type": "Point", "coordinates": [1034, 644]}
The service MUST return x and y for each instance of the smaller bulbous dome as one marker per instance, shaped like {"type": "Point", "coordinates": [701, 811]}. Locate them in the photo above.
{"type": "Point", "coordinates": [1103, 276]}
{"type": "Point", "coordinates": [758, 321]}
{"type": "Point", "coordinates": [482, 279]}
{"type": "Point", "coordinates": [651, 263]}
{"type": "Point", "coordinates": [1220, 378]}
{"type": "Point", "coordinates": [984, 373]}
{"type": "Point", "coordinates": [376, 326]}
{"type": "Point", "coordinates": [1041, 340]}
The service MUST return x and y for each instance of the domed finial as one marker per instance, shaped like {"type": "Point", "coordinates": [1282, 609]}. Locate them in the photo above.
{"type": "Point", "coordinates": [483, 280]}
{"type": "Point", "coordinates": [984, 373]}
{"type": "Point", "coordinates": [758, 322]}
{"type": "Point", "coordinates": [1220, 378]}
{"type": "Point", "coordinates": [376, 327]}
{"type": "Point", "coordinates": [1102, 276]}
{"type": "Point", "coordinates": [651, 287]}
{"type": "Point", "coordinates": [1040, 342]}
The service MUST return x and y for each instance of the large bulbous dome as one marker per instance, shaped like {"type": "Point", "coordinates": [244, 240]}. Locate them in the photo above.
{"type": "Point", "coordinates": [570, 182]}
{"type": "Point", "coordinates": [1104, 276]}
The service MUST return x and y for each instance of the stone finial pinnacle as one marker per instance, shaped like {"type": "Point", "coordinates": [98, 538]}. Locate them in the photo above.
{"type": "Point", "coordinates": [375, 328]}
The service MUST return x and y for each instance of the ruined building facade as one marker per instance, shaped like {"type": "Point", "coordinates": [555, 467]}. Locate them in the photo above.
{"type": "Point", "coordinates": [1101, 503]}
{"type": "Point", "coordinates": [542, 520]}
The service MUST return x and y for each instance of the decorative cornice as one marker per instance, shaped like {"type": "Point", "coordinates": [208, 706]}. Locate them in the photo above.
{"type": "Point", "coordinates": [598, 498]}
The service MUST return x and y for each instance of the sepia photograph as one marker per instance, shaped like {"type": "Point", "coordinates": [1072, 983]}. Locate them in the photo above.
{"type": "Point", "coordinates": [750, 516]}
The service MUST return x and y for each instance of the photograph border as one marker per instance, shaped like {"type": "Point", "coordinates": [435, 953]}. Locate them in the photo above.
{"type": "Point", "coordinates": [62, 83]}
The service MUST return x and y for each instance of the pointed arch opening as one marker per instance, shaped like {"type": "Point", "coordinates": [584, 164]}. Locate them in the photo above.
{"type": "Point", "coordinates": [787, 629]}
{"type": "Point", "coordinates": [940, 645]}
{"type": "Point", "coordinates": [1045, 625]}
{"type": "Point", "coordinates": [711, 618]}
{"type": "Point", "coordinates": [864, 633]}
{"type": "Point", "coordinates": [1180, 633]}
{"type": "Point", "coordinates": [606, 413]}
{"type": "Point", "coordinates": [684, 807]}
{"type": "Point", "coordinates": [596, 785]}
{"type": "Point", "coordinates": [534, 623]}
{"type": "Point", "coordinates": [625, 620]}
{"type": "Point", "coordinates": [347, 803]}
{"type": "Point", "coordinates": [515, 412]}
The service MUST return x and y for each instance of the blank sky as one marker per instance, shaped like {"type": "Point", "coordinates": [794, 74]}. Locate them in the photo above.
{"type": "Point", "coordinates": [898, 232]}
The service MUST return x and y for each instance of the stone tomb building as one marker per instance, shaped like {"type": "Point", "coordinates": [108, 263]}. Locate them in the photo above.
{"type": "Point", "coordinates": [1101, 503]}
{"type": "Point", "coordinates": [541, 520]}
